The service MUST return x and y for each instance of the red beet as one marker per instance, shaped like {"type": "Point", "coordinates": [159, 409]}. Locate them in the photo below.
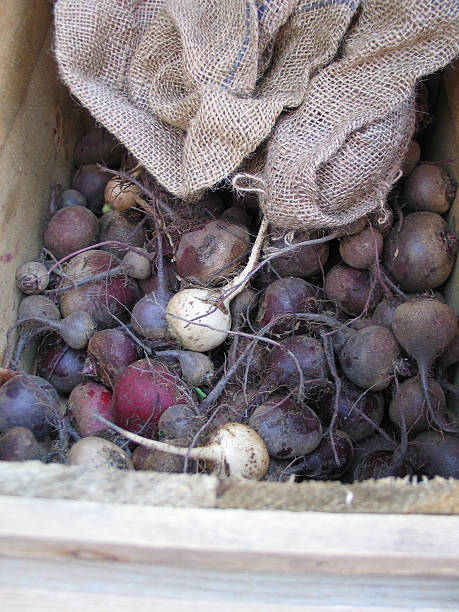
{"type": "Point", "coordinates": [349, 288]}
{"type": "Point", "coordinates": [425, 327]}
{"type": "Point", "coordinates": [281, 370]}
{"type": "Point", "coordinates": [361, 250]}
{"type": "Point", "coordinates": [410, 398]}
{"type": "Point", "coordinates": [412, 157]}
{"type": "Point", "coordinates": [437, 454]}
{"type": "Point", "coordinates": [99, 299]}
{"type": "Point", "coordinates": [87, 400]}
{"type": "Point", "coordinates": [110, 351]}
{"type": "Point", "coordinates": [70, 229]}
{"type": "Point", "coordinates": [283, 298]}
{"type": "Point", "coordinates": [301, 262]}
{"type": "Point", "coordinates": [321, 463]}
{"type": "Point", "coordinates": [120, 227]}
{"type": "Point", "coordinates": [60, 365]}
{"type": "Point", "coordinates": [142, 393]}
{"type": "Point", "coordinates": [378, 464]}
{"type": "Point", "coordinates": [356, 417]}
{"type": "Point", "coordinates": [429, 187]}
{"type": "Point", "coordinates": [384, 311]}
{"type": "Point", "coordinates": [421, 255]}
{"type": "Point", "coordinates": [288, 429]}
{"type": "Point", "coordinates": [208, 255]}
{"type": "Point", "coordinates": [369, 356]}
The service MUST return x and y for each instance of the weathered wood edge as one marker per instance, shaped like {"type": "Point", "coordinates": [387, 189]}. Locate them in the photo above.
{"type": "Point", "coordinates": [393, 496]}
{"type": "Point", "coordinates": [230, 540]}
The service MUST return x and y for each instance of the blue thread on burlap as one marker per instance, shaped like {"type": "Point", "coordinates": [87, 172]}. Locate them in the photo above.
{"type": "Point", "coordinates": [312, 6]}
{"type": "Point", "coordinates": [242, 50]}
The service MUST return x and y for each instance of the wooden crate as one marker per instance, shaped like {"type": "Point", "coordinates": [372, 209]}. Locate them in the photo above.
{"type": "Point", "coordinates": [81, 553]}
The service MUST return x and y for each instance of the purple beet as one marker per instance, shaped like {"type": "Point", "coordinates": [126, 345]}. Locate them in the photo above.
{"type": "Point", "coordinates": [350, 288]}
{"type": "Point", "coordinates": [378, 464]}
{"type": "Point", "coordinates": [437, 454]}
{"type": "Point", "coordinates": [60, 365]}
{"type": "Point", "coordinates": [425, 327]}
{"type": "Point", "coordinates": [110, 351]}
{"type": "Point", "coordinates": [29, 401]}
{"type": "Point", "coordinates": [321, 463]}
{"type": "Point", "coordinates": [282, 299]}
{"type": "Point", "coordinates": [91, 181]}
{"type": "Point", "coordinates": [287, 428]}
{"type": "Point", "coordinates": [19, 444]}
{"type": "Point", "coordinates": [358, 414]}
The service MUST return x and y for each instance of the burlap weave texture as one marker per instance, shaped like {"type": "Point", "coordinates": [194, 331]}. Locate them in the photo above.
{"type": "Point", "coordinates": [194, 87]}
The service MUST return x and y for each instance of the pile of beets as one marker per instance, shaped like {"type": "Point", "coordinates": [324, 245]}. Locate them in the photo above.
{"type": "Point", "coordinates": [306, 355]}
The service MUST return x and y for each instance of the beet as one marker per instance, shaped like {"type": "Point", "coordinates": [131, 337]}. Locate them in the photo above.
{"type": "Point", "coordinates": [286, 296]}
{"type": "Point", "coordinates": [59, 364]}
{"type": "Point", "coordinates": [91, 181]}
{"type": "Point", "coordinates": [208, 255]}
{"type": "Point", "coordinates": [361, 250]}
{"type": "Point", "coordinates": [92, 453]}
{"type": "Point", "coordinates": [358, 414]}
{"type": "Point", "coordinates": [429, 187]}
{"type": "Point", "coordinates": [38, 306]}
{"type": "Point", "coordinates": [302, 262]}
{"type": "Point", "coordinates": [148, 318]}
{"type": "Point", "coordinates": [450, 355]}
{"type": "Point", "coordinates": [321, 464]}
{"type": "Point", "coordinates": [120, 227]}
{"type": "Point", "coordinates": [288, 429]}
{"type": "Point", "coordinates": [410, 398]}
{"type": "Point", "coordinates": [99, 299]}
{"type": "Point", "coordinates": [98, 146]}
{"type": "Point", "coordinates": [425, 327]}
{"type": "Point", "coordinates": [29, 401]}
{"type": "Point", "coordinates": [236, 215]}
{"type": "Point", "coordinates": [179, 421]}
{"type": "Point", "coordinates": [87, 400]}
{"type": "Point", "coordinates": [378, 464]}
{"type": "Point", "coordinates": [157, 461]}
{"type": "Point", "coordinates": [32, 277]}
{"type": "Point", "coordinates": [369, 356]}
{"type": "Point", "coordinates": [382, 219]}
{"type": "Point", "coordinates": [70, 230]}
{"type": "Point", "coordinates": [350, 288]}
{"type": "Point", "coordinates": [421, 255]}
{"type": "Point", "coordinates": [384, 311]}
{"type": "Point", "coordinates": [170, 278]}
{"type": "Point", "coordinates": [110, 351]}
{"type": "Point", "coordinates": [412, 157]}
{"type": "Point", "coordinates": [437, 454]}
{"type": "Point", "coordinates": [19, 444]}
{"type": "Point", "coordinates": [71, 197]}
{"type": "Point", "coordinates": [282, 371]}
{"type": "Point", "coordinates": [142, 393]}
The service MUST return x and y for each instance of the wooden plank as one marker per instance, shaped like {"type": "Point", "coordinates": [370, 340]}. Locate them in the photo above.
{"type": "Point", "coordinates": [37, 584]}
{"type": "Point", "coordinates": [231, 540]}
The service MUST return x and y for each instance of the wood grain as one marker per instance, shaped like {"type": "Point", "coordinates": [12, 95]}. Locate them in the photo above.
{"type": "Point", "coordinates": [231, 539]}
{"type": "Point", "coordinates": [72, 555]}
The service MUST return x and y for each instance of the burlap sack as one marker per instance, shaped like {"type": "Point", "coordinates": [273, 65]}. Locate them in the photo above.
{"type": "Point", "coordinates": [193, 87]}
